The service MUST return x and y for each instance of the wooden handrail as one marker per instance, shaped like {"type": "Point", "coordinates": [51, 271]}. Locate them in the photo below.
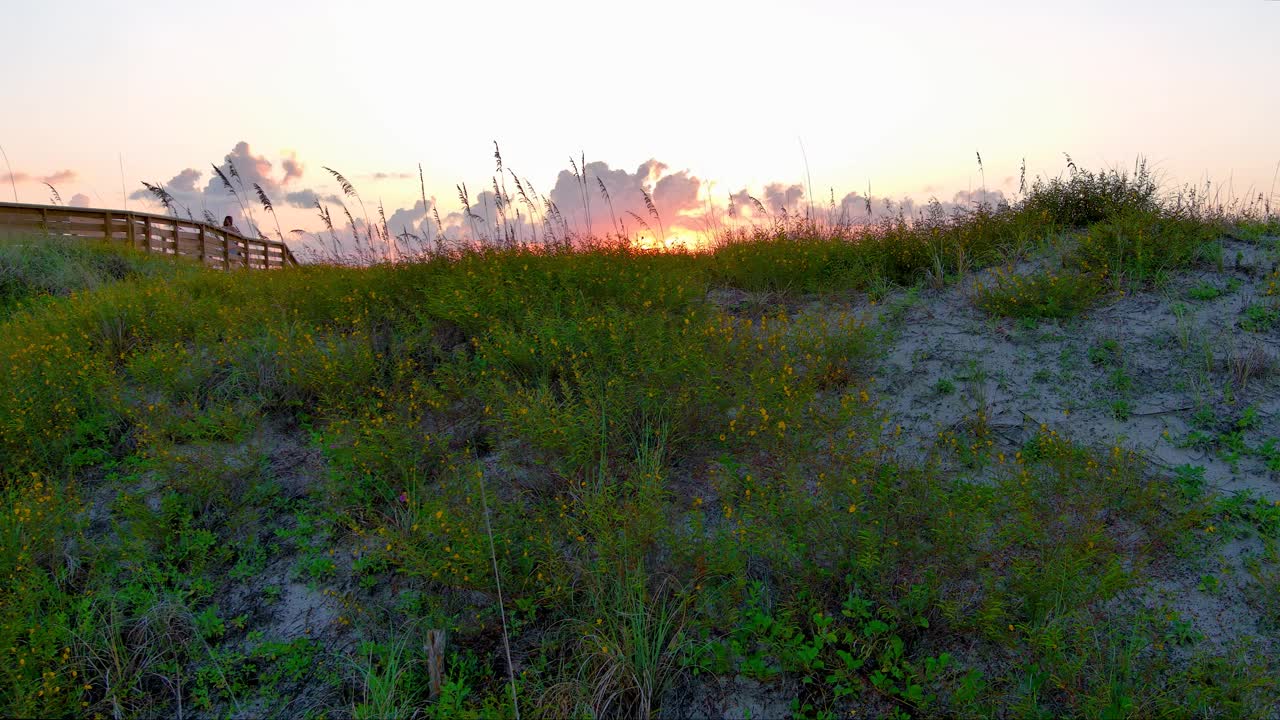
{"type": "Point", "coordinates": [163, 234]}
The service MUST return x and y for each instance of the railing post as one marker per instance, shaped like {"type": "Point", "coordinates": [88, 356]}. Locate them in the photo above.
{"type": "Point", "coordinates": [201, 253]}
{"type": "Point", "coordinates": [146, 232]}
{"type": "Point", "coordinates": [130, 233]}
{"type": "Point", "coordinates": [226, 250]}
{"type": "Point", "coordinates": [106, 226]}
{"type": "Point", "coordinates": [44, 219]}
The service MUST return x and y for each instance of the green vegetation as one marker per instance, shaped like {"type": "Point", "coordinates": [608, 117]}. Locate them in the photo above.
{"type": "Point", "coordinates": [1205, 290]}
{"type": "Point", "coordinates": [39, 269]}
{"type": "Point", "coordinates": [209, 476]}
{"type": "Point", "coordinates": [1260, 317]}
{"type": "Point", "coordinates": [1040, 295]}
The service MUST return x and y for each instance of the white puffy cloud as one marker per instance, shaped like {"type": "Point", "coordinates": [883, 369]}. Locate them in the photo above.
{"type": "Point", "coordinates": [418, 220]}
{"type": "Point", "coordinates": [292, 168]}
{"type": "Point", "coordinates": [781, 198]}
{"type": "Point", "coordinates": [243, 169]}
{"type": "Point", "coordinates": [306, 199]}
{"type": "Point", "coordinates": [587, 210]}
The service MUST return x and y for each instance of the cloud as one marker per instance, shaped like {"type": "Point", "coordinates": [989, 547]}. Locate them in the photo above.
{"type": "Point", "coordinates": [306, 199]}
{"type": "Point", "coordinates": [858, 209]}
{"type": "Point", "coordinates": [183, 189]}
{"type": "Point", "coordinates": [775, 199]}
{"type": "Point", "coordinates": [680, 200]}
{"type": "Point", "coordinates": [741, 204]}
{"type": "Point", "coordinates": [854, 208]}
{"type": "Point", "coordinates": [969, 199]}
{"type": "Point", "coordinates": [677, 193]}
{"type": "Point", "coordinates": [216, 199]}
{"type": "Point", "coordinates": [62, 176]}
{"type": "Point", "coordinates": [417, 220]}
{"type": "Point", "coordinates": [59, 177]}
{"type": "Point", "coordinates": [251, 168]}
{"type": "Point", "coordinates": [199, 197]}
{"type": "Point", "coordinates": [292, 168]}
{"type": "Point", "coordinates": [184, 181]}
{"type": "Point", "coordinates": [678, 196]}
{"type": "Point", "coordinates": [600, 200]}
{"type": "Point", "coordinates": [675, 196]}
{"type": "Point", "coordinates": [79, 200]}
{"type": "Point", "coordinates": [779, 198]}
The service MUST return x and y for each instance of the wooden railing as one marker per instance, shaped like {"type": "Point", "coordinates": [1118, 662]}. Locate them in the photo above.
{"type": "Point", "coordinates": [212, 245]}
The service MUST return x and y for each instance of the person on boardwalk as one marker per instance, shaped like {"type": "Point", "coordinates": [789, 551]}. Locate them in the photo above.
{"type": "Point", "coordinates": [233, 251]}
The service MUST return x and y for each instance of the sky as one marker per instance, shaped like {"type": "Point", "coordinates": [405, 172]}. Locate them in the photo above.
{"type": "Point", "coordinates": [690, 101]}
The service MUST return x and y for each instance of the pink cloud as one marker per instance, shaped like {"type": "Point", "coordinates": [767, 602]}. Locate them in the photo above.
{"type": "Point", "coordinates": [61, 176]}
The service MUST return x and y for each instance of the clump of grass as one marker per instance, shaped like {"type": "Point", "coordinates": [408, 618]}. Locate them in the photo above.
{"type": "Point", "coordinates": [1086, 197]}
{"type": "Point", "coordinates": [384, 688]}
{"type": "Point", "coordinates": [1043, 294]}
{"type": "Point", "coordinates": [1259, 317]}
{"type": "Point", "coordinates": [36, 269]}
{"type": "Point", "coordinates": [632, 643]}
{"type": "Point", "coordinates": [1139, 245]}
{"type": "Point", "coordinates": [1204, 291]}
{"type": "Point", "coordinates": [1244, 365]}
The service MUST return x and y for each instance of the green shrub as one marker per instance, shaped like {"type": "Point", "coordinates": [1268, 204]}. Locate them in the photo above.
{"type": "Point", "coordinates": [1086, 197]}
{"type": "Point", "coordinates": [1138, 245]}
{"type": "Point", "coordinates": [1039, 295]}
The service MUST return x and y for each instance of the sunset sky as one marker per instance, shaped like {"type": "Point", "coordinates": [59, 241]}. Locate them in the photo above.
{"type": "Point", "coordinates": [898, 95]}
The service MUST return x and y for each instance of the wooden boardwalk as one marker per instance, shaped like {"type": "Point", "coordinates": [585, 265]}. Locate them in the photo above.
{"type": "Point", "coordinates": [161, 234]}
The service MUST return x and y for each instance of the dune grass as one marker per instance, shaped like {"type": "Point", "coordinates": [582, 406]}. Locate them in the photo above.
{"type": "Point", "coordinates": [675, 493]}
{"type": "Point", "coordinates": [35, 269]}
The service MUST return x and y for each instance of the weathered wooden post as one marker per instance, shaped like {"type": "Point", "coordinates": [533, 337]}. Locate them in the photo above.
{"type": "Point", "coordinates": [435, 661]}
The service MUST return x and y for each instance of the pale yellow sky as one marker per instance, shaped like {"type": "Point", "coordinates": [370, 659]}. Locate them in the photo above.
{"type": "Point", "coordinates": [897, 94]}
